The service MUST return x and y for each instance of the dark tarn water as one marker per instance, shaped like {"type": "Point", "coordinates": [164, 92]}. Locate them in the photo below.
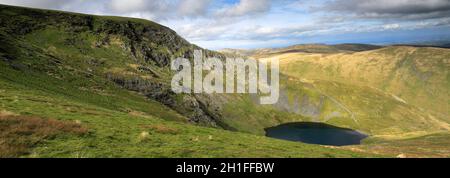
{"type": "Point", "coordinates": [316, 133]}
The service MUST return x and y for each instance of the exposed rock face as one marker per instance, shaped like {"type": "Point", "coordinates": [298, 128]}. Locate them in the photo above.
{"type": "Point", "coordinates": [308, 108]}
{"type": "Point", "coordinates": [196, 110]}
{"type": "Point", "coordinates": [302, 106]}
{"type": "Point", "coordinates": [153, 45]}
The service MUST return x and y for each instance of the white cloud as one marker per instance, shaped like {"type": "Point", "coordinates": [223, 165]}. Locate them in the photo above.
{"type": "Point", "coordinates": [391, 26]}
{"type": "Point", "coordinates": [193, 7]}
{"type": "Point", "coordinates": [129, 5]}
{"type": "Point", "coordinates": [52, 4]}
{"type": "Point", "coordinates": [418, 9]}
{"type": "Point", "coordinates": [155, 10]}
{"type": "Point", "coordinates": [246, 7]}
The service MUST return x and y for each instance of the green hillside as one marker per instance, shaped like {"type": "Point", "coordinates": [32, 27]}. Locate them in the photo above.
{"type": "Point", "coordinates": [415, 76]}
{"type": "Point", "coordinates": [75, 85]}
{"type": "Point", "coordinates": [398, 95]}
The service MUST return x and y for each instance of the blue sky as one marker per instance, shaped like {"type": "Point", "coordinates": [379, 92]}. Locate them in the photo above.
{"type": "Point", "coordinates": [217, 24]}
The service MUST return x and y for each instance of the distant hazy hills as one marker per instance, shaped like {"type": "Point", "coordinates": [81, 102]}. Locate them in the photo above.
{"type": "Point", "coordinates": [323, 48]}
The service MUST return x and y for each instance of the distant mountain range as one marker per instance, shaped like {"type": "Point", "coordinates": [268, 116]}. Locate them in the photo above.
{"type": "Point", "coordinates": [324, 48]}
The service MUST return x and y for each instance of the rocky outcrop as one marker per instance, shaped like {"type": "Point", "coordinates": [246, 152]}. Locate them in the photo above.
{"type": "Point", "coordinates": [197, 111]}
{"type": "Point", "coordinates": [302, 106]}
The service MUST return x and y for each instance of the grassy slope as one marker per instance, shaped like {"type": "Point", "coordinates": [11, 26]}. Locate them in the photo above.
{"type": "Point", "coordinates": [419, 76]}
{"type": "Point", "coordinates": [362, 108]}
{"type": "Point", "coordinates": [342, 86]}
{"type": "Point", "coordinates": [398, 95]}
{"type": "Point", "coordinates": [56, 73]}
{"type": "Point", "coordinates": [52, 72]}
{"type": "Point", "coordinates": [432, 145]}
{"type": "Point", "coordinates": [115, 132]}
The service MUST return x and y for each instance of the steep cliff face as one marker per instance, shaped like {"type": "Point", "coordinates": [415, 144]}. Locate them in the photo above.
{"type": "Point", "coordinates": [134, 54]}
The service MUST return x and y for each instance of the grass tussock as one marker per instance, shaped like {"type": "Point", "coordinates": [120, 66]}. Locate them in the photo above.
{"type": "Point", "coordinates": [18, 134]}
{"type": "Point", "coordinates": [163, 129]}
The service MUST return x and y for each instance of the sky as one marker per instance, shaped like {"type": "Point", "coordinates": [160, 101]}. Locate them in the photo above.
{"type": "Point", "coordinates": [249, 24]}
